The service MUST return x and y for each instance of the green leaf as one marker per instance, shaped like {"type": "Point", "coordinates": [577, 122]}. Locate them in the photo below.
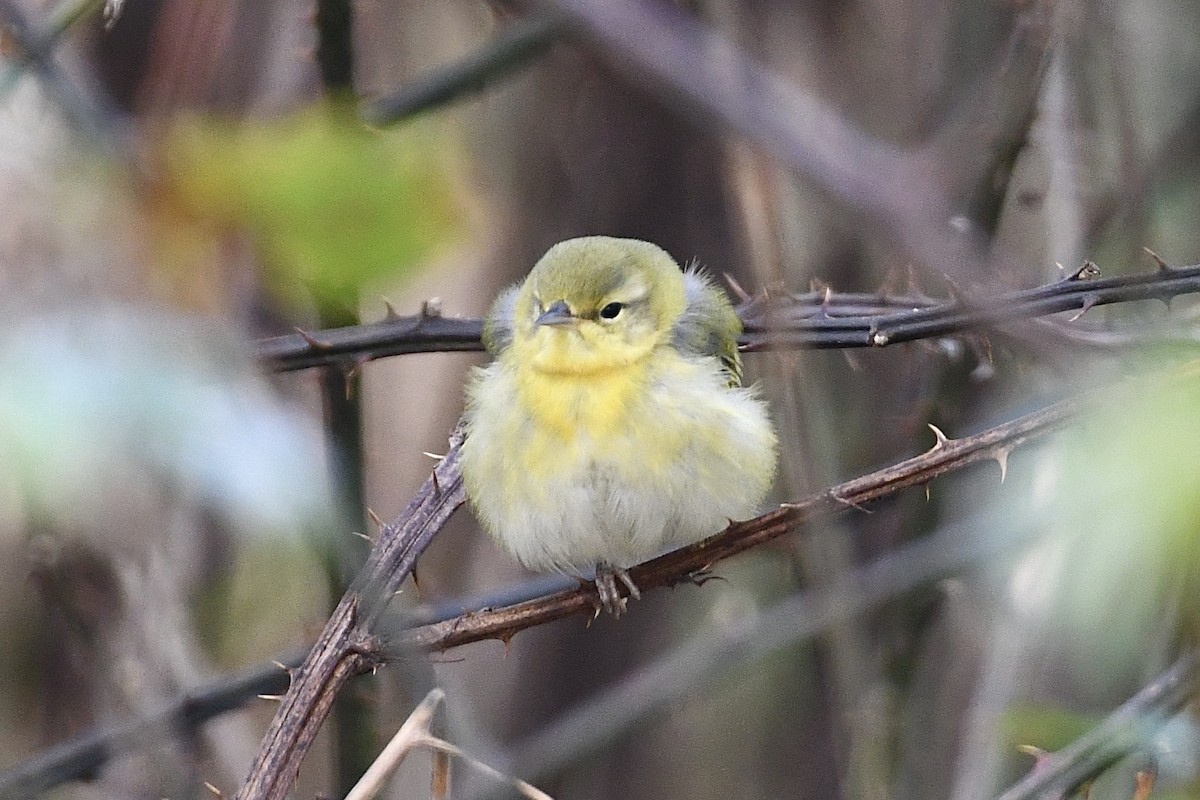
{"type": "Point", "coordinates": [332, 204]}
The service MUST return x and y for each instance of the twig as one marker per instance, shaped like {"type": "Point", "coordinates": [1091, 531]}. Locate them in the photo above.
{"type": "Point", "coordinates": [1125, 731]}
{"type": "Point", "coordinates": [816, 319]}
{"type": "Point", "coordinates": [402, 335]}
{"type": "Point", "coordinates": [410, 735]}
{"type": "Point", "coordinates": [346, 646]}
{"type": "Point", "coordinates": [679, 674]}
{"type": "Point", "coordinates": [82, 757]}
{"type": "Point", "coordinates": [414, 733]}
{"type": "Point", "coordinates": [516, 46]}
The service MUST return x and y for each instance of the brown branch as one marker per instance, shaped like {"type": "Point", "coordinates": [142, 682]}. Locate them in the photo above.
{"type": "Point", "coordinates": [346, 646]}
{"type": "Point", "coordinates": [681, 565]}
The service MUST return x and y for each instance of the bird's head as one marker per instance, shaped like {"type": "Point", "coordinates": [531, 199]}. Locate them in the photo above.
{"type": "Point", "coordinates": [597, 303]}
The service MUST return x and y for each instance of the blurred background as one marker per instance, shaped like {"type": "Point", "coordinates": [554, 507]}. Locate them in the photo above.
{"type": "Point", "coordinates": [181, 178]}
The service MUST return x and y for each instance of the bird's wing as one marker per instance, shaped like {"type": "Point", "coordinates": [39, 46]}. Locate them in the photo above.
{"type": "Point", "coordinates": [709, 325]}
{"type": "Point", "coordinates": [498, 327]}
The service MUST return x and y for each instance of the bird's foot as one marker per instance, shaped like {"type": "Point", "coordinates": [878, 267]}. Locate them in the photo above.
{"type": "Point", "coordinates": [703, 576]}
{"type": "Point", "coordinates": [606, 588]}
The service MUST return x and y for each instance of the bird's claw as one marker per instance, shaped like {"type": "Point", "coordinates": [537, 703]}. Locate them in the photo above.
{"type": "Point", "coordinates": [606, 588]}
{"type": "Point", "coordinates": [703, 576]}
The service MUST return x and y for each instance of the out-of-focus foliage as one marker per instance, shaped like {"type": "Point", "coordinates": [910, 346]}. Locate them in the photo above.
{"type": "Point", "coordinates": [1115, 573]}
{"type": "Point", "coordinates": [1129, 496]}
{"type": "Point", "coordinates": [124, 397]}
{"type": "Point", "coordinates": [334, 205]}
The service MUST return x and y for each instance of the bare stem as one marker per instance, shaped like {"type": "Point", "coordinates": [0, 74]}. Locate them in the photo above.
{"type": "Point", "coordinates": [817, 319]}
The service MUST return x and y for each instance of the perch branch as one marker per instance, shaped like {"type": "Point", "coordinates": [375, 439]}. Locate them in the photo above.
{"type": "Point", "coordinates": [681, 673]}
{"type": "Point", "coordinates": [550, 603]}
{"type": "Point", "coordinates": [816, 319]}
{"type": "Point", "coordinates": [679, 565]}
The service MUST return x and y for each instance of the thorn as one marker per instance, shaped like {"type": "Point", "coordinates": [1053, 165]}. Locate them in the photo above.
{"type": "Point", "coordinates": [434, 456]}
{"type": "Point", "coordinates": [911, 280]}
{"type": "Point", "coordinates": [213, 789]}
{"type": "Point", "coordinates": [272, 697]}
{"type": "Point", "coordinates": [851, 361]}
{"type": "Point", "coordinates": [283, 666]}
{"type": "Point", "coordinates": [1038, 753]}
{"type": "Point", "coordinates": [506, 640]}
{"type": "Point", "coordinates": [416, 580]}
{"type": "Point", "coordinates": [431, 308]}
{"type": "Point", "coordinates": [1086, 272]}
{"type": "Point", "coordinates": [1089, 300]}
{"type": "Point", "coordinates": [391, 315]}
{"type": "Point", "coordinates": [362, 536]}
{"type": "Point", "coordinates": [956, 293]}
{"type": "Point", "coordinates": [350, 377]}
{"type": "Point", "coordinates": [888, 286]}
{"type": "Point", "coordinates": [1163, 266]}
{"type": "Point", "coordinates": [817, 286]}
{"type": "Point", "coordinates": [987, 349]}
{"type": "Point", "coordinates": [926, 492]}
{"type": "Point", "coordinates": [371, 515]}
{"type": "Point", "coordinates": [703, 576]}
{"type": "Point", "coordinates": [742, 295]}
{"type": "Point", "coordinates": [942, 440]}
{"type": "Point", "coordinates": [311, 342]}
{"type": "Point", "coordinates": [843, 501]}
{"type": "Point", "coordinates": [1002, 460]}
{"type": "Point", "coordinates": [1145, 784]}
{"type": "Point", "coordinates": [826, 301]}
{"type": "Point", "coordinates": [437, 487]}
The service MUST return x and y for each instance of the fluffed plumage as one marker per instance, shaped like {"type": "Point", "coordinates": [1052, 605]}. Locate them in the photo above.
{"type": "Point", "coordinates": [612, 424]}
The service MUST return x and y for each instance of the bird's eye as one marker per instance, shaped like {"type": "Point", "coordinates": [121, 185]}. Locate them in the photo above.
{"type": "Point", "coordinates": [611, 311]}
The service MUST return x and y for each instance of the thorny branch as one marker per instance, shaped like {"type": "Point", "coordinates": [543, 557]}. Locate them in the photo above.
{"type": "Point", "coordinates": [82, 757]}
{"type": "Point", "coordinates": [362, 650]}
{"type": "Point", "coordinates": [346, 646]}
{"type": "Point", "coordinates": [817, 319]}
{"type": "Point", "coordinates": [686, 563]}
{"type": "Point", "coordinates": [1125, 731]}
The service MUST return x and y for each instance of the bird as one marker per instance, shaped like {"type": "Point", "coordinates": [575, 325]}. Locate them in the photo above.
{"type": "Point", "coordinates": [612, 424]}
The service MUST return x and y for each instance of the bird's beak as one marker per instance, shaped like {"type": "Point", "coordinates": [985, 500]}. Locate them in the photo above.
{"type": "Point", "coordinates": [559, 313]}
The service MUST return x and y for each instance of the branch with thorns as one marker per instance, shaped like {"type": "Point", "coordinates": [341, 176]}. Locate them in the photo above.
{"type": "Point", "coordinates": [350, 644]}
{"type": "Point", "coordinates": [353, 642]}
{"type": "Point", "coordinates": [820, 318]}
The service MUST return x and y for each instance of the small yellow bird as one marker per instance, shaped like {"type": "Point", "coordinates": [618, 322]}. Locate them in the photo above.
{"type": "Point", "coordinates": [612, 424]}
